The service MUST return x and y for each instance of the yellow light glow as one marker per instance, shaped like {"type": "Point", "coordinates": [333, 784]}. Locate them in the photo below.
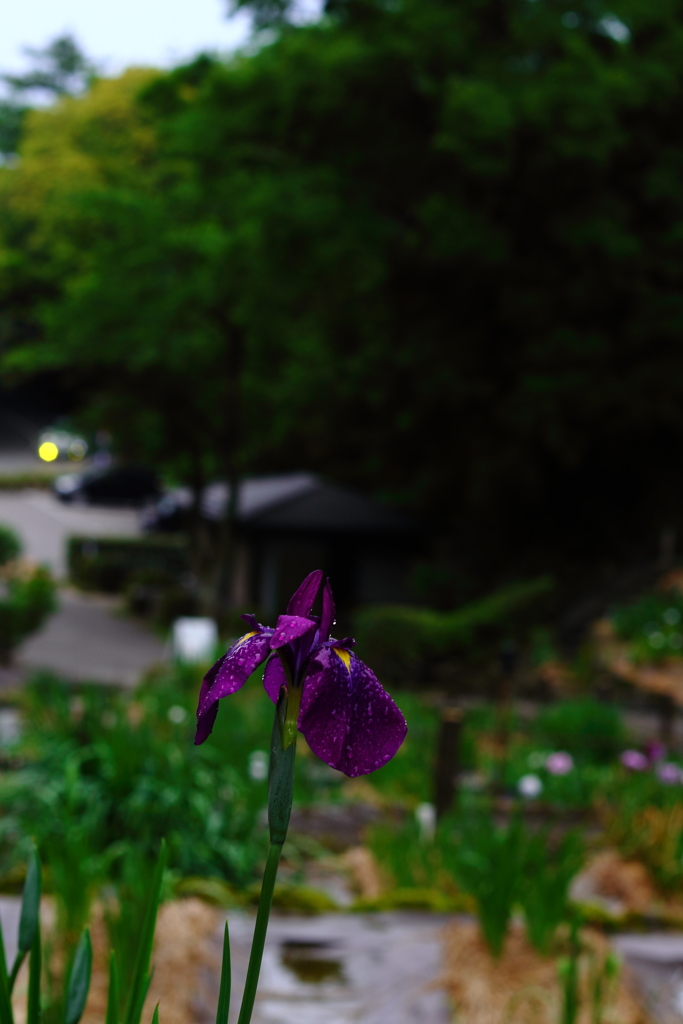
{"type": "Point", "coordinates": [48, 451]}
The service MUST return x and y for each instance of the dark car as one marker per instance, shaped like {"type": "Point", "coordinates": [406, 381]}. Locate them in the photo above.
{"type": "Point", "coordinates": [113, 485]}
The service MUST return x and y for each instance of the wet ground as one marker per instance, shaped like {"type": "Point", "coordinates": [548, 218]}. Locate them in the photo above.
{"type": "Point", "coordinates": [655, 962]}
{"type": "Point", "coordinates": [338, 969]}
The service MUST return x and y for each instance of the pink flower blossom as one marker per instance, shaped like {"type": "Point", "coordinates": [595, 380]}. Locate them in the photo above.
{"type": "Point", "coordinates": [669, 773]}
{"type": "Point", "coordinates": [634, 760]}
{"type": "Point", "coordinates": [559, 763]}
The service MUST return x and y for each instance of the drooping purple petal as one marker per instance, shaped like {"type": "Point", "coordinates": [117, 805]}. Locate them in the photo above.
{"type": "Point", "coordinates": [274, 678]}
{"type": "Point", "coordinates": [289, 628]}
{"type": "Point", "coordinates": [207, 682]}
{"type": "Point", "coordinates": [302, 600]}
{"type": "Point", "coordinates": [347, 717]}
{"type": "Point", "coordinates": [228, 675]}
{"type": "Point", "coordinates": [327, 617]}
{"type": "Point", "coordinates": [205, 724]}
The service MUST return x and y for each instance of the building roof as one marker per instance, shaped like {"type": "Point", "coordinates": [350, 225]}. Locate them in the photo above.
{"type": "Point", "coordinates": [303, 502]}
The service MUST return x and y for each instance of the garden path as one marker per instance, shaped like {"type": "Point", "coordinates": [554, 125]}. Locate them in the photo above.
{"type": "Point", "coordinates": [85, 640]}
{"type": "Point", "coordinates": [655, 961]}
{"type": "Point", "coordinates": [44, 524]}
{"type": "Point", "coordinates": [339, 969]}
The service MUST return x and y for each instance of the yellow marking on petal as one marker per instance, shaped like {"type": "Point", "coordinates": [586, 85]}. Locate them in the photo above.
{"type": "Point", "coordinates": [246, 637]}
{"type": "Point", "coordinates": [345, 657]}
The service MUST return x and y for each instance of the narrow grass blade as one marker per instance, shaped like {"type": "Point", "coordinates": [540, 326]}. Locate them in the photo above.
{"type": "Point", "coordinates": [113, 995]}
{"type": "Point", "coordinates": [79, 980]}
{"type": "Point", "coordinates": [141, 974]}
{"type": "Point", "coordinates": [155, 1015]}
{"type": "Point", "coordinates": [35, 962]}
{"type": "Point", "coordinates": [30, 914]}
{"type": "Point", "coordinates": [6, 1014]}
{"type": "Point", "coordinates": [224, 993]}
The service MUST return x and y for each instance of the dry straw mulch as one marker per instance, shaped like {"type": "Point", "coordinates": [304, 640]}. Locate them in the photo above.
{"type": "Point", "coordinates": [521, 987]}
{"type": "Point", "coordinates": [183, 947]}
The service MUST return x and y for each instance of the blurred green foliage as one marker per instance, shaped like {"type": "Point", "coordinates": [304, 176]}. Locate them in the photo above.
{"type": "Point", "coordinates": [643, 818]}
{"type": "Point", "coordinates": [653, 626]}
{"type": "Point", "coordinates": [10, 545]}
{"type": "Point", "coordinates": [592, 731]}
{"type": "Point", "coordinates": [30, 597]}
{"type": "Point", "coordinates": [27, 594]}
{"type": "Point", "coordinates": [498, 865]}
{"type": "Point", "coordinates": [103, 772]}
{"type": "Point", "coordinates": [403, 643]}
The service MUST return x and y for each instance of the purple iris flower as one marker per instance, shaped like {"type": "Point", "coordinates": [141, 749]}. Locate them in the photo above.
{"type": "Point", "coordinates": [347, 717]}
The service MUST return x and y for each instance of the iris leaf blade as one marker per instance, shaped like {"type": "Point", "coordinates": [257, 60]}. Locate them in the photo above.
{"type": "Point", "coordinates": [79, 980]}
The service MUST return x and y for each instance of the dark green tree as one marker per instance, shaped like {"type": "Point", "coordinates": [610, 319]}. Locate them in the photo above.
{"type": "Point", "coordinates": [427, 247]}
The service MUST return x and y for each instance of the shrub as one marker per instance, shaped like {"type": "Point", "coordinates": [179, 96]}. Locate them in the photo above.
{"type": "Point", "coordinates": [30, 596]}
{"type": "Point", "coordinates": [10, 545]}
{"type": "Point", "coordinates": [109, 563]}
{"type": "Point", "coordinates": [653, 626]}
{"type": "Point", "coordinates": [400, 641]}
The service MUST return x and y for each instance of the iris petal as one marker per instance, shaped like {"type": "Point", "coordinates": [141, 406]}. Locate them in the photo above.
{"type": "Point", "coordinates": [289, 628]}
{"type": "Point", "coordinates": [228, 675]}
{"type": "Point", "coordinates": [274, 678]}
{"type": "Point", "coordinates": [347, 717]}
{"type": "Point", "coordinates": [301, 602]}
{"type": "Point", "coordinates": [327, 617]}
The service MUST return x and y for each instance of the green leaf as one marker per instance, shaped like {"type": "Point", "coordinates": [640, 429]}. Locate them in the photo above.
{"type": "Point", "coordinates": [35, 962]}
{"type": "Point", "coordinates": [113, 995]}
{"type": "Point", "coordinates": [29, 922]}
{"type": "Point", "coordinates": [141, 974]}
{"type": "Point", "coordinates": [6, 1014]}
{"type": "Point", "coordinates": [79, 980]}
{"type": "Point", "coordinates": [224, 993]}
{"type": "Point", "coordinates": [155, 1015]}
{"type": "Point", "coordinates": [30, 904]}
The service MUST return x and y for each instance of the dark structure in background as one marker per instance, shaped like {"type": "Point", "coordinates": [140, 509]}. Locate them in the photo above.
{"type": "Point", "coordinates": [293, 523]}
{"type": "Point", "coordinates": [287, 525]}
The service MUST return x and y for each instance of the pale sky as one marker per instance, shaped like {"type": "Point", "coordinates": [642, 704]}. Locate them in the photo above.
{"type": "Point", "coordinates": [121, 32]}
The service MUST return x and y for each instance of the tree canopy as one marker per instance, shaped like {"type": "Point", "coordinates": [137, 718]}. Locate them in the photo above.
{"type": "Point", "coordinates": [430, 248]}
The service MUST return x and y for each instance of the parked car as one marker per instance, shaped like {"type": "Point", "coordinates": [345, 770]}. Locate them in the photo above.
{"type": "Point", "coordinates": [114, 485]}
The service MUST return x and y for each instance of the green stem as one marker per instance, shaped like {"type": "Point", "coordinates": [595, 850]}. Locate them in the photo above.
{"type": "Point", "coordinates": [260, 929]}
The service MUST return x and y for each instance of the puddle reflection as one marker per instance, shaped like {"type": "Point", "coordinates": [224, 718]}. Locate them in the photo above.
{"type": "Point", "coordinates": [313, 962]}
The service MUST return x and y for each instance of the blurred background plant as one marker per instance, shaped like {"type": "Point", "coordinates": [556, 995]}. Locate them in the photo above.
{"type": "Point", "coordinates": [27, 595]}
{"type": "Point", "coordinates": [652, 626]}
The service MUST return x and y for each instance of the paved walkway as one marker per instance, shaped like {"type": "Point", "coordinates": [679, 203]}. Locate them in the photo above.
{"type": "Point", "coordinates": [87, 639]}
{"type": "Point", "coordinates": [655, 961]}
{"type": "Point", "coordinates": [44, 524]}
{"type": "Point", "coordinates": [340, 969]}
